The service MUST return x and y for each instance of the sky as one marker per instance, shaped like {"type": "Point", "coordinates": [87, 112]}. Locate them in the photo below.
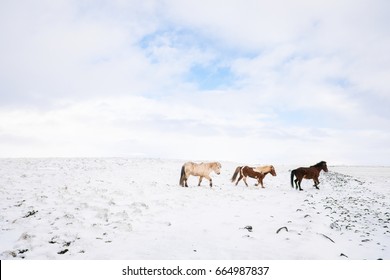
{"type": "Point", "coordinates": [267, 82]}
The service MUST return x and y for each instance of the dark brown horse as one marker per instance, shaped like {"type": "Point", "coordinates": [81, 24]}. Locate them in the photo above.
{"type": "Point", "coordinates": [246, 171]}
{"type": "Point", "coordinates": [311, 172]}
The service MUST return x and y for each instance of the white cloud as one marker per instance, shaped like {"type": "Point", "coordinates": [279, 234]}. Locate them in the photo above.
{"type": "Point", "coordinates": [134, 126]}
{"type": "Point", "coordinates": [112, 78]}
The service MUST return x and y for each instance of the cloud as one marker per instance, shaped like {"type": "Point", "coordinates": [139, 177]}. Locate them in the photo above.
{"type": "Point", "coordinates": [154, 78]}
{"type": "Point", "coordinates": [64, 51]}
{"type": "Point", "coordinates": [138, 126]}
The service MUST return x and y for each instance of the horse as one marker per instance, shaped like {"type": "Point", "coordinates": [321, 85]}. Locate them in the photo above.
{"type": "Point", "coordinates": [311, 172]}
{"type": "Point", "coordinates": [253, 172]}
{"type": "Point", "coordinates": [202, 170]}
{"type": "Point", "coordinates": [266, 169]}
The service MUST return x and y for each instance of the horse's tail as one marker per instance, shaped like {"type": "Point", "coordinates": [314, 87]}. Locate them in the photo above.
{"type": "Point", "coordinates": [238, 169]}
{"type": "Point", "coordinates": [182, 176]}
{"type": "Point", "coordinates": [292, 178]}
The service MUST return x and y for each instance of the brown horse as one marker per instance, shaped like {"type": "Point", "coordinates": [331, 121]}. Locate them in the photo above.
{"type": "Point", "coordinates": [202, 170]}
{"type": "Point", "coordinates": [253, 172]}
{"type": "Point", "coordinates": [266, 169]}
{"type": "Point", "coordinates": [311, 172]}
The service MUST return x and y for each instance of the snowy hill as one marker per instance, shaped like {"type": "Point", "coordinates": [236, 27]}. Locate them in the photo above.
{"type": "Point", "coordinates": [118, 208]}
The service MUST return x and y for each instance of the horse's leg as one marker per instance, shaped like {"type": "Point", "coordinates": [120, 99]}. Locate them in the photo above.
{"type": "Point", "coordinates": [200, 180]}
{"type": "Point", "coordinates": [296, 183]}
{"type": "Point", "coordinates": [261, 182]}
{"type": "Point", "coordinates": [239, 179]}
{"type": "Point", "coordinates": [244, 179]}
{"type": "Point", "coordinates": [299, 183]}
{"type": "Point", "coordinates": [316, 182]}
{"type": "Point", "coordinates": [209, 178]}
{"type": "Point", "coordinates": [185, 182]}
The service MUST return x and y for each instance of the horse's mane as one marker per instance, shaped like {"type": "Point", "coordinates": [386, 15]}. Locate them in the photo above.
{"type": "Point", "coordinates": [319, 164]}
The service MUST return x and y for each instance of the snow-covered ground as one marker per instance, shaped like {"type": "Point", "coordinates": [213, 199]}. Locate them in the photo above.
{"type": "Point", "coordinates": [118, 208]}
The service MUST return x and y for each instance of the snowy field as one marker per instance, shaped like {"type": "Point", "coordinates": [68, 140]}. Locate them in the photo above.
{"type": "Point", "coordinates": [120, 208]}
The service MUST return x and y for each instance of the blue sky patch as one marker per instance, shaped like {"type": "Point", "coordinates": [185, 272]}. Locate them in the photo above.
{"type": "Point", "coordinates": [211, 77]}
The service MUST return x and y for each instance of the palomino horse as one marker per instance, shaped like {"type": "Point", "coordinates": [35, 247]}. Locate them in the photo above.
{"type": "Point", "coordinates": [202, 170]}
{"type": "Point", "coordinates": [311, 172]}
{"type": "Point", "coordinates": [253, 172]}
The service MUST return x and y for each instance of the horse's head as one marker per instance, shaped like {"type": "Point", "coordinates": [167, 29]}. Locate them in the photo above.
{"type": "Point", "coordinates": [324, 166]}
{"type": "Point", "coordinates": [217, 167]}
{"type": "Point", "coordinates": [272, 171]}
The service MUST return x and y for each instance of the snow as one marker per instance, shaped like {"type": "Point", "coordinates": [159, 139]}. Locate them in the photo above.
{"type": "Point", "coordinates": [124, 208]}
